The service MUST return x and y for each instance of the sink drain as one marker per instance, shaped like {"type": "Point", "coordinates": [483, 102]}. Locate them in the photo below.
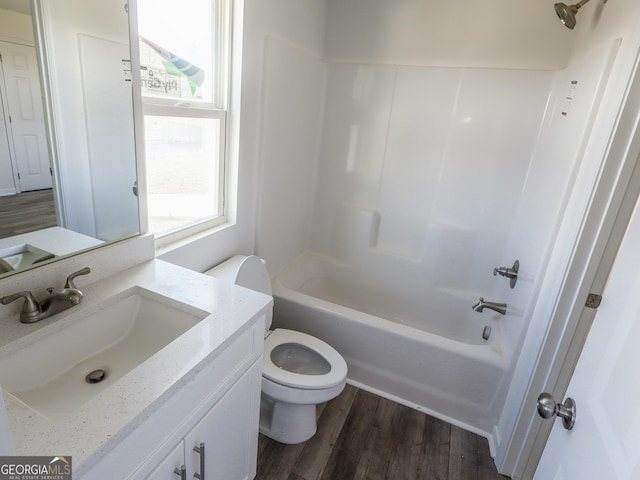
{"type": "Point", "coordinates": [96, 376]}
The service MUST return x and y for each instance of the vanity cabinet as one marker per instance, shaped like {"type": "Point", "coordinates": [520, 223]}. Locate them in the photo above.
{"type": "Point", "coordinates": [218, 407]}
{"type": "Point", "coordinates": [224, 435]}
{"type": "Point", "coordinates": [228, 432]}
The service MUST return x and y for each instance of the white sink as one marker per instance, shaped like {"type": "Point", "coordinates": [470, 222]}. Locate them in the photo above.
{"type": "Point", "coordinates": [21, 256]}
{"type": "Point", "coordinates": [49, 375]}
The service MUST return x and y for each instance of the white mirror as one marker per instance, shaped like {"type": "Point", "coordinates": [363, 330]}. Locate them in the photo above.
{"type": "Point", "coordinates": [67, 154]}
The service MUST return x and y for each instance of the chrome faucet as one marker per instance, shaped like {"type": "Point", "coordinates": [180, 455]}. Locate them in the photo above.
{"type": "Point", "coordinates": [34, 311]}
{"type": "Point", "coordinates": [501, 308]}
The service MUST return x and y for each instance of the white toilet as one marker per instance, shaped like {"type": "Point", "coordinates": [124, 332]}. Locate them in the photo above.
{"type": "Point", "coordinates": [298, 371]}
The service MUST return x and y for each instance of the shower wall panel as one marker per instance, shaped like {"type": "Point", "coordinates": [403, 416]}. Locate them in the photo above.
{"type": "Point", "coordinates": [420, 172]}
{"type": "Point", "coordinates": [291, 117]}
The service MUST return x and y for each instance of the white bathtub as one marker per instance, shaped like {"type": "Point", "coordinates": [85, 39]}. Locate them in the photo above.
{"type": "Point", "coordinates": [451, 374]}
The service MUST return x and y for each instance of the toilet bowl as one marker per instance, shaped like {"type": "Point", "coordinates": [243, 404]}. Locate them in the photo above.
{"type": "Point", "coordinates": [299, 371]}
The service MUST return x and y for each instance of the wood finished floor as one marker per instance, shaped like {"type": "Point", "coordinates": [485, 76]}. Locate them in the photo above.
{"type": "Point", "coordinates": [26, 212]}
{"type": "Point", "coordinates": [363, 436]}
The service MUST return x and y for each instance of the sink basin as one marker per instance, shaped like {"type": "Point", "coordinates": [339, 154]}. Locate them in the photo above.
{"type": "Point", "coordinates": [59, 373]}
{"type": "Point", "coordinates": [21, 256]}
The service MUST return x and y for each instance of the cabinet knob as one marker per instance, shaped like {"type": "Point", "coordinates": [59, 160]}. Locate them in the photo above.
{"type": "Point", "coordinates": [200, 450]}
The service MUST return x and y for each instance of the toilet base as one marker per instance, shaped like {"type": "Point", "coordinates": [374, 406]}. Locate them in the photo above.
{"type": "Point", "coordinates": [287, 422]}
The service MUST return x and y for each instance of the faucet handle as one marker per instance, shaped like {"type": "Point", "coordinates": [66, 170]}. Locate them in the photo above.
{"type": "Point", "coordinates": [70, 278]}
{"type": "Point", "coordinates": [30, 307]}
{"type": "Point", "coordinates": [509, 272]}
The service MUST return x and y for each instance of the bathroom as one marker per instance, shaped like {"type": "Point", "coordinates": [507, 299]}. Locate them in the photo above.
{"type": "Point", "coordinates": [333, 170]}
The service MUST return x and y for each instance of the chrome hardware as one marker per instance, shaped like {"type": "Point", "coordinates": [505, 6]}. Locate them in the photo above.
{"type": "Point", "coordinates": [30, 308]}
{"type": "Point", "coordinates": [567, 13]}
{"type": "Point", "coordinates": [548, 407]}
{"type": "Point", "coordinates": [501, 308]}
{"type": "Point", "coordinates": [486, 332]}
{"type": "Point", "coordinates": [200, 450]}
{"type": "Point", "coordinates": [182, 472]}
{"type": "Point", "coordinates": [34, 311]}
{"type": "Point", "coordinates": [69, 283]}
{"type": "Point", "coordinates": [593, 300]}
{"type": "Point", "coordinates": [96, 376]}
{"type": "Point", "coordinates": [510, 273]}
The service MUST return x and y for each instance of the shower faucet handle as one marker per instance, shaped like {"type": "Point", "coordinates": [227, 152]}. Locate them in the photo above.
{"type": "Point", "coordinates": [505, 272]}
{"type": "Point", "coordinates": [509, 272]}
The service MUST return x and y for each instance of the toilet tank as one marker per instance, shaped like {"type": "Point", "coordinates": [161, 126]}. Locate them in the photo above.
{"type": "Point", "coordinates": [247, 271]}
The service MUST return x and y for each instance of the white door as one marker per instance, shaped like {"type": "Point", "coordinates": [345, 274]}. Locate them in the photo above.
{"type": "Point", "coordinates": [26, 123]}
{"type": "Point", "coordinates": [605, 440]}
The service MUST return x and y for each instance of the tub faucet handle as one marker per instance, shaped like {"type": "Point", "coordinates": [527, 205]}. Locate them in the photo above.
{"type": "Point", "coordinates": [509, 272]}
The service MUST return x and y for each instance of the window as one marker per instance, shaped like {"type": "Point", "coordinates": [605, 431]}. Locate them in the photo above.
{"type": "Point", "coordinates": [184, 76]}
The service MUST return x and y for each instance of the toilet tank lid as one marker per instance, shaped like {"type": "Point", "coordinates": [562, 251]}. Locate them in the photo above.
{"type": "Point", "coordinates": [247, 271]}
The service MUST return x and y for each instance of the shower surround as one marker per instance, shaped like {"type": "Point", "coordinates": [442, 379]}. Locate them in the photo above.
{"type": "Point", "coordinates": [416, 185]}
{"type": "Point", "coordinates": [419, 170]}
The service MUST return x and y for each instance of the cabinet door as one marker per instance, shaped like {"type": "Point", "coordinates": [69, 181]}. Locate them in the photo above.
{"type": "Point", "coordinates": [229, 432]}
{"type": "Point", "coordinates": [165, 469]}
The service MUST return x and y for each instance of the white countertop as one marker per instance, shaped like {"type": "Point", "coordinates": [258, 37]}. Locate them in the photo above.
{"type": "Point", "coordinates": [56, 240]}
{"type": "Point", "coordinates": [95, 428]}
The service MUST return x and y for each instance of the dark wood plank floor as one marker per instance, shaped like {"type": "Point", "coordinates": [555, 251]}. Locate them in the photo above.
{"type": "Point", "coordinates": [26, 212]}
{"type": "Point", "coordinates": [364, 436]}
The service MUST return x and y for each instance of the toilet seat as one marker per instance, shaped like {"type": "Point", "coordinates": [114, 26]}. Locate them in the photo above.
{"type": "Point", "coordinates": [281, 336]}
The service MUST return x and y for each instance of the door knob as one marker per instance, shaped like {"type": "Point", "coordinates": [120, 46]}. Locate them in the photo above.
{"type": "Point", "coordinates": [548, 407]}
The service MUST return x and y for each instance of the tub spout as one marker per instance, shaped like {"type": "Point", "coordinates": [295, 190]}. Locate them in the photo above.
{"type": "Point", "coordinates": [501, 308]}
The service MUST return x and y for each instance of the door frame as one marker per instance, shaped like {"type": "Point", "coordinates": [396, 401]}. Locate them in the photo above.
{"type": "Point", "coordinates": [610, 208]}
{"type": "Point", "coordinates": [6, 131]}
{"type": "Point", "coordinates": [7, 120]}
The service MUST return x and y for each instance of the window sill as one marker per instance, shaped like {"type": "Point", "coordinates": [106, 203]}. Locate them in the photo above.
{"type": "Point", "coordinates": [164, 245]}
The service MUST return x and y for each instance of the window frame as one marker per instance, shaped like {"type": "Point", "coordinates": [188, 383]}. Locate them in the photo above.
{"type": "Point", "coordinates": [217, 109]}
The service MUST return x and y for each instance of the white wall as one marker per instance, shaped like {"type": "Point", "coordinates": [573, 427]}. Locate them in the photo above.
{"type": "Point", "coordinates": [278, 151]}
{"type": "Point", "coordinates": [293, 88]}
{"type": "Point", "coordinates": [457, 33]}
{"type": "Point", "coordinates": [270, 32]}
{"type": "Point", "coordinates": [17, 26]}
{"type": "Point", "coordinates": [289, 38]}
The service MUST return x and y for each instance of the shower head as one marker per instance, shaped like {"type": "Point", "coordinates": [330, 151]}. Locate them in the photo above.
{"type": "Point", "coordinates": [567, 13]}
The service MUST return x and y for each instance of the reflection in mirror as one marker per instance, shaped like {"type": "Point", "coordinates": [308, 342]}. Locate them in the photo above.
{"type": "Point", "coordinates": [67, 145]}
